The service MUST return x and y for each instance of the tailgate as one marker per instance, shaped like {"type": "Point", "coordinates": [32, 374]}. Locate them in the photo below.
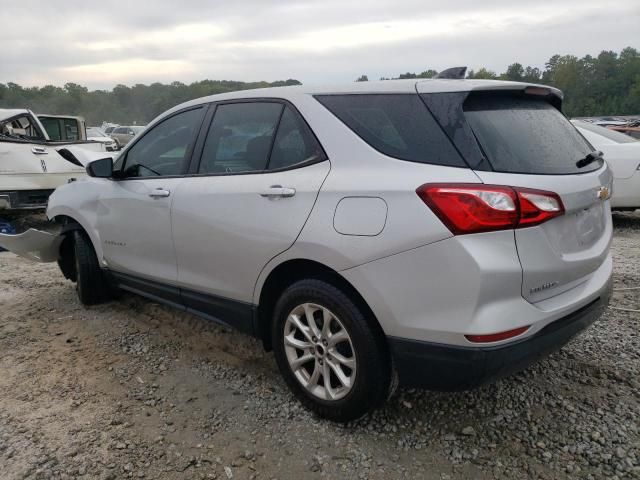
{"type": "Point", "coordinates": [530, 144]}
{"type": "Point", "coordinates": [562, 253]}
{"type": "Point", "coordinates": [515, 135]}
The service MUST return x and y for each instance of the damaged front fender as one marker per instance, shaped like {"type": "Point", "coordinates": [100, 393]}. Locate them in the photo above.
{"type": "Point", "coordinates": [35, 245]}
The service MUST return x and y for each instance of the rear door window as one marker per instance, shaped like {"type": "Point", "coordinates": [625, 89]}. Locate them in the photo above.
{"type": "Point", "coordinates": [52, 126]}
{"type": "Point", "coordinates": [71, 129]}
{"type": "Point", "coordinates": [240, 137]}
{"type": "Point", "coordinates": [526, 135]}
{"type": "Point", "coordinates": [397, 125]}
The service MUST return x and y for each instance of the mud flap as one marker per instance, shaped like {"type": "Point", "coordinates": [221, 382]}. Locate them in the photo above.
{"type": "Point", "coordinates": [34, 245]}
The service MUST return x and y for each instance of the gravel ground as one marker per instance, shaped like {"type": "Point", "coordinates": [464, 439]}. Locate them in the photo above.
{"type": "Point", "coordinates": [132, 389]}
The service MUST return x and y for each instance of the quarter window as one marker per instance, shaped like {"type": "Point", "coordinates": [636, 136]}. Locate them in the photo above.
{"type": "Point", "coordinates": [163, 150]}
{"type": "Point", "coordinates": [398, 125]}
{"type": "Point", "coordinates": [294, 143]}
{"type": "Point", "coordinates": [240, 137]}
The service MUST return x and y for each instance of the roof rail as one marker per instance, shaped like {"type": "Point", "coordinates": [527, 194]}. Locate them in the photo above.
{"type": "Point", "coordinates": [456, 73]}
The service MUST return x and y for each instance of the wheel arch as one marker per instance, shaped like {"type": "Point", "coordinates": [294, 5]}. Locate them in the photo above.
{"type": "Point", "coordinates": [73, 220]}
{"type": "Point", "coordinates": [66, 259]}
{"type": "Point", "coordinates": [293, 270]}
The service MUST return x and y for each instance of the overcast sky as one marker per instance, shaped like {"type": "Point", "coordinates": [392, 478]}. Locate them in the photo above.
{"type": "Point", "coordinates": [143, 41]}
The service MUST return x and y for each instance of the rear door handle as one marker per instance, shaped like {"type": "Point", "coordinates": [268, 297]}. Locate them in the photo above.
{"type": "Point", "coordinates": [278, 191]}
{"type": "Point", "coordinates": [159, 193]}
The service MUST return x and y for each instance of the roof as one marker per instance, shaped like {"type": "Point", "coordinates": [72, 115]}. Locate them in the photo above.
{"type": "Point", "coordinates": [382, 86]}
{"type": "Point", "coordinates": [6, 113]}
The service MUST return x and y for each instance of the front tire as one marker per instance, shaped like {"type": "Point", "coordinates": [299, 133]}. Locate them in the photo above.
{"type": "Point", "coordinates": [328, 353]}
{"type": "Point", "coordinates": [92, 286]}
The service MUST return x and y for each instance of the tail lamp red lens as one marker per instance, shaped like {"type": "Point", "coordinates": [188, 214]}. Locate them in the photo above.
{"type": "Point", "coordinates": [475, 208]}
{"type": "Point", "coordinates": [496, 337]}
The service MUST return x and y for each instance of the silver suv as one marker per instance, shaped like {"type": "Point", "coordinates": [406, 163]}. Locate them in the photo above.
{"type": "Point", "coordinates": [439, 233]}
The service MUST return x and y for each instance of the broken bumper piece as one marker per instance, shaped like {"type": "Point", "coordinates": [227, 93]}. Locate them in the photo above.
{"type": "Point", "coordinates": [34, 245]}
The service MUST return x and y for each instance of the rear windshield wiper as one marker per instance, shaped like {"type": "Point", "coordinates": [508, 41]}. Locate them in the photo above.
{"type": "Point", "coordinates": [590, 158]}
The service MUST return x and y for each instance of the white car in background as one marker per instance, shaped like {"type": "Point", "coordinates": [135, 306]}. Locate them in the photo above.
{"type": "Point", "coordinates": [622, 153]}
{"type": "Point", "coordinates": [32, 165]}
{"type": "Point", "coordinates": [97, 135]}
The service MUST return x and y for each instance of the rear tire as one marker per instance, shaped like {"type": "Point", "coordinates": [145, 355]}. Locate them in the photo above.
{"type": "Point", "coordinates": [92, 286]}
{"type": "Point", "coordinates": [339, 343]}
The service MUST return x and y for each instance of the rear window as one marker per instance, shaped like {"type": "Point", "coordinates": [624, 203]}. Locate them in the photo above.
{"type": "Point", "coordinates": [526, 135]}
{"type": "Point", "coordinates": [398, 125]}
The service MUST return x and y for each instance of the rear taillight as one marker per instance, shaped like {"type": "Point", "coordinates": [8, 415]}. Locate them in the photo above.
{"type": "Point", "coordinates": [475, 208]}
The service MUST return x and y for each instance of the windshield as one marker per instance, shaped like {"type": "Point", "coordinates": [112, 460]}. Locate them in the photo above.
{"type": "Point", "coordinates": [526, 135]}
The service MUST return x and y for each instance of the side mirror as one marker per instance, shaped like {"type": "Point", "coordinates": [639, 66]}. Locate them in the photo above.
{"type": "Point", "coordinates": [102, 168]}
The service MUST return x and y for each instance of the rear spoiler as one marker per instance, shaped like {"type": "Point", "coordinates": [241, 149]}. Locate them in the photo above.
{"type": "Point", "coordinates": [455, 73]}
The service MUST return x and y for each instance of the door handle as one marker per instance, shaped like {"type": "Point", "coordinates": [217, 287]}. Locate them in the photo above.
{"type": "Point", "coordinates": [39, 150]}
{"type": "Point", "coordinates": [278, 191]}
{"type": "Point", "coordinates": [159, 193]}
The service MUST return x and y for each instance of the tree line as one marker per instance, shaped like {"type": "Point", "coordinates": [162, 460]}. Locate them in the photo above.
{"type": "Point", "coordinates": [125, 105]}
{"type": "Point", "coordinates": [608, 84]}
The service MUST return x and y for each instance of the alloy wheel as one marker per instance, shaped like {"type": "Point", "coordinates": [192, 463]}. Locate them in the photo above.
{"type": "Point", "coordinates": [320, 352]}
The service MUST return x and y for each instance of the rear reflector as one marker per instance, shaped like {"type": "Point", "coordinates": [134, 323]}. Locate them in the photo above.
{"type": "Point", "coordinates": [496, 337]}
{"type": "Point", "coordinates": [475, 208]}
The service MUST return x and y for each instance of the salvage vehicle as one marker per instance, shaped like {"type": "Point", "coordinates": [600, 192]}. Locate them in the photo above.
{"type": "Point", "coordinates": [123, 135]}
{"type": "Point", "coordinates": [622, 153]}
{"type": "Point", "coordinates": [31, 165]}
{"type": "Point", "coordinates": [434, 233]}
{"type": "Point", "coordinates": [97, 135]}
{"type": "Point", "coordinates": [109, 127]}
{"type": "Point", "coordinates": [632, 130]}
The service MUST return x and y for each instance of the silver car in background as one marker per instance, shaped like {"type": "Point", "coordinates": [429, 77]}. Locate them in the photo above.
{"type": "Point", "coordinates": [440, 233]}
{"type": "Point", "coordinates": [123, 135]}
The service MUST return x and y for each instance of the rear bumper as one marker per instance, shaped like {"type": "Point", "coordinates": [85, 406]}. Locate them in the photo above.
{"type": "Point", "coordinates": [452, 367]}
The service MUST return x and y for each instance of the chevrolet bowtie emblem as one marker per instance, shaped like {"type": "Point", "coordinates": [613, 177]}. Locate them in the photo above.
{"type": "Point", "coordinates": [603, 193]}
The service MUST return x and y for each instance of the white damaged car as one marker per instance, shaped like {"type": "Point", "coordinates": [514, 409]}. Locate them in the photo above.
{"type": "Point", "coordinates": [32, 166]}
{"type": "Point", "coordinates": [622, 153]}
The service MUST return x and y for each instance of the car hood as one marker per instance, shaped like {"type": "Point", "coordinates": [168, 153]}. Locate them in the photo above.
{"type": "Point", "coordinates": [101, 139]}
{"type": "Point", "coordinates": [81, 156]}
